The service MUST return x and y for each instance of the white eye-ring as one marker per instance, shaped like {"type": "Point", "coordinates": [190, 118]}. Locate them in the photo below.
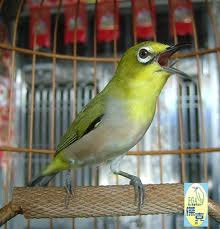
{"type": "Point", "coordinates": [144, 55]}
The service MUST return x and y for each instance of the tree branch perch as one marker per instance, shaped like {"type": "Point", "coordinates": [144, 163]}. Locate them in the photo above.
{"type": "Point", "coordinates": [117, 200]}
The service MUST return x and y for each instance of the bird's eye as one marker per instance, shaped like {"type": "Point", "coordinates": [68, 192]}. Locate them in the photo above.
{"type": "Point", "coordinates": [144, 55]}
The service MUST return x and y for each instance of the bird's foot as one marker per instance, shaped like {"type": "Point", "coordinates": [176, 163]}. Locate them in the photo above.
{"type": "Point", "coordinates": [69, 188]}
{"type": "Point", "coordinates": [139, 191]}
{"type": "Point", "coordinates": [137, 184]}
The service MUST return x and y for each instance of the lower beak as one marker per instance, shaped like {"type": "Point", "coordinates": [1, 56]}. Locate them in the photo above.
{"type": "Point", "coordinates": [164, 60]}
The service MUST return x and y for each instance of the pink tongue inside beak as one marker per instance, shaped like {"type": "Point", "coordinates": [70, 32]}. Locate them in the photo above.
{"type": "Point", "coordinates": [164, 57]}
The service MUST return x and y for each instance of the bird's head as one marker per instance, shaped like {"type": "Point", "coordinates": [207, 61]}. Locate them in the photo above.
{"type": "Point", "coordinates": [149, 62]}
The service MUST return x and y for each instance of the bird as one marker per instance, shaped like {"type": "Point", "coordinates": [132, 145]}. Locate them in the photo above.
{"type": "Point", "coordinates": [118, 117]}
{"type": "Point", "coordinates": [200, 196]}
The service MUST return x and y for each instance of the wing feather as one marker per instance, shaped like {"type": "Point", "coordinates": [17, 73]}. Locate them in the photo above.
{"type": "Point", "coordinates": [85, 122]}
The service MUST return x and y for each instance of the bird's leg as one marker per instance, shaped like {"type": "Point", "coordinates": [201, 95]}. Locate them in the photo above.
{"type": "Point", "coordinates": [138, 187]}
{"type": "Point", "coordinates": [134, 180]}
{"type": "Point", "coordinates": [69, 187]}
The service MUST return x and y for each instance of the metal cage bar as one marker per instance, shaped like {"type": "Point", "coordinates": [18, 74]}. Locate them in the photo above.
{"type": "Point", "coordinates": [12, 79]}
{"type": "Point", "coordinates": [97, 59]}
{"type": "Point", "coordinates": [180, 112]}
{"type": "Point", "coordinates": [201, 112]}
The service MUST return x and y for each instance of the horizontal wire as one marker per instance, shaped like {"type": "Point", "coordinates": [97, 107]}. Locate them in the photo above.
{"type": "Point", "coordinates": [97, 59]}
{"type": "Point", "coordinates": [133, 153]}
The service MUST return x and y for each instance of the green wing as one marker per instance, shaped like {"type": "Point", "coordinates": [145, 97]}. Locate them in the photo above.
{"type": "Point", "coordinates": [85, 121]}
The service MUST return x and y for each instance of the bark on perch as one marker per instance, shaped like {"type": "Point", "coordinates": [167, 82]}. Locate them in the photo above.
{"type": "Point", "coordinates": [117, 200]}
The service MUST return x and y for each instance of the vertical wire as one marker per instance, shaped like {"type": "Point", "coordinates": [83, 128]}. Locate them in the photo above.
{"type": "Point", "coordinates": [95, 169]}
{"type": "Point", "coordinates": [1, 4]}
{"type": "Point", "coordinates": [95, 51]}
{"type": "Point", "coordinates": [115, 66]}
{"type": "Point", "coordinates": [13, 66]}
{"type": "Point", "coordinates": [158, 108]}
{"type": "Point", "coordinates": [31, 123]}
{"type": "Point", "coordinates": [74, 61]}
{"type": "Point", "coordinates": [134, 25]}
{"type": "Point", "coordinates": [214, 28]}
{"type": "Point", "coordinates": [75, 80]}
{"type": "Point", "coordinates": [213, 24]}
{"type": "Point", "coordinates": [138, 145]}
{"type": "Point", "coordinates": [158, 103]}
{"type": "Point", "coordinates": [135, 42]}
{"type": "Point", "coordinates": [115, 33]}
{"type": "Point", "coordinates": [11, 90]}
{"type": "Point", "coordinates": [33, 77]}
{"type": "Point", "coordinates": [53, 76]}
{"type": "Point", "coordinates": [201, 112]}
{"type": "Point", "coordinates": [180, 111]}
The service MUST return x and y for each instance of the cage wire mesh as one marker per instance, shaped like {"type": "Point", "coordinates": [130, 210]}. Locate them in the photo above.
{"type": "Point", "coordinates": [49, 86]}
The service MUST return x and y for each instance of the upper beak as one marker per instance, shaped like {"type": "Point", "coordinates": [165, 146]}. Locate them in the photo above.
{"type": "Point", "coordinates": [164, 60]}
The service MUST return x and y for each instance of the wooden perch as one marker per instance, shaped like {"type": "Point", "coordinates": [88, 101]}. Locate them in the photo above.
{"type": "Point", "coordinates": [117, 200]}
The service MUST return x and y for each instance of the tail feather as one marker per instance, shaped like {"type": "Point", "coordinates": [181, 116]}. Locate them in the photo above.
{"type": "Point", "coordinates": [42, 180]}
{"type": "Point", "coordinates": [57, 165]}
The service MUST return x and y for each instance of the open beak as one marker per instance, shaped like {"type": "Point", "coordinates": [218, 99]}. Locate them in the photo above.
{"type": "Point", "coordinates": [164, 60]}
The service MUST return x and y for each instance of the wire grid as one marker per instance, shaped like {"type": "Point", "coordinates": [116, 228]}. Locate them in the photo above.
{"type": "Point", "coordinates": [75, 58]}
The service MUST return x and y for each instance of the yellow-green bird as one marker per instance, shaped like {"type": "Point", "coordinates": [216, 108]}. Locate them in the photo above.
{"type": "Point", "coordinates": [118, 117]}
